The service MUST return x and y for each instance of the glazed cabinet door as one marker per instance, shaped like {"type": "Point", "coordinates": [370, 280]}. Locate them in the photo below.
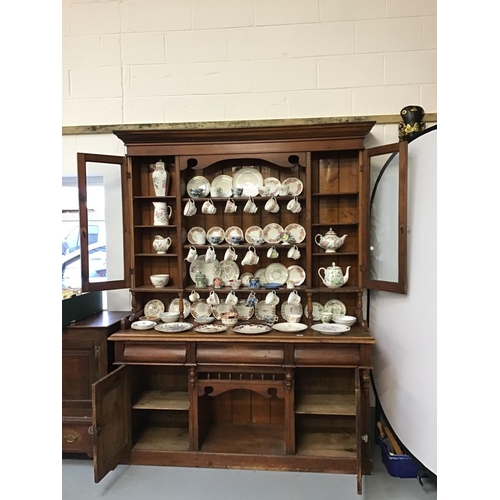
{"type": "Point", "coordinates": [111, 421]}
{"type": "Point", "coordinates": [385, 207]}
{"type": "Point", "coordinates": [111, 173]}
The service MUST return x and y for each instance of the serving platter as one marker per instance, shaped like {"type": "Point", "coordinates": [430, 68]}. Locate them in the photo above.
{"type": "Point", "coordinates": [331, 328]}
{"type": "Point", "coordinates": [143, 325]}
{"type": "Point", "coordinates": [251, 329]}
{"type": "Point", "coordinates": [173, 327]}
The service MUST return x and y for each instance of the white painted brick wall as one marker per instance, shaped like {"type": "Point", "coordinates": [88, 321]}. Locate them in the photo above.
{"type": "Point", "coordinates": [150, 61]}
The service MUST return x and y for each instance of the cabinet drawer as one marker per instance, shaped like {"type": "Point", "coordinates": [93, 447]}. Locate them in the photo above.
{"type": "Point", "coordinates": [326, 355]}
{"type": "Point", "coordinates": [76, 437]}
{"type": "Point", "coordinates": [255, 354]}
{"type": "Point", "coordinates": [136, 352]}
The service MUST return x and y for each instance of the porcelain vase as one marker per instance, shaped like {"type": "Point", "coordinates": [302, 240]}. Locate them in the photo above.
{"type": "Point", "coordinates": [160, 178]}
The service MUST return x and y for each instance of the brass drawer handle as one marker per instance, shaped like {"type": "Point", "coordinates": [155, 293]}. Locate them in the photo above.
{"type": "Point", "coordinates": [71, 438]}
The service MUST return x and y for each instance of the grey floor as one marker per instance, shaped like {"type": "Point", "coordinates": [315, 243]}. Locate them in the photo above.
{"type": "Point", "coordinates": [130, 482]}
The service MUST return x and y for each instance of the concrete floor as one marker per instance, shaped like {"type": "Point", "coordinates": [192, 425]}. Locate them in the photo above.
{"type": "Point", "coordinates": [130, 482]}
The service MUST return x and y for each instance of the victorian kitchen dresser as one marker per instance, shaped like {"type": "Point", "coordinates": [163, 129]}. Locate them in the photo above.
{"type": "Point", "coordinates": [281, 399]}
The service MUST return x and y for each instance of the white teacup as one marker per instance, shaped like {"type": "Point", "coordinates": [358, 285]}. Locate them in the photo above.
{"type": "Point", "coordinates": [294, 298]}
{"type": "Point", "coordinates": [200, 238]}
{"type": "Point", "coordinates": [190, 208]}
{"type": "Point", "coordinates": [257, 241]}
{"type": "Point", "coordinates": [272, 205]}
{"type": "Point", "coordinates": [251, 257]}
{"type": "Point", "coordinates": [235, 284]}
{"type": "Point", "coordinates": [294, 205]}
{"type": "Point", "coordinates": [230, 207]}
{"type": "Point", "coordinates": [293, 253]}
{"type": "Point", "coordinates": [210, 256]}
{"type": "Point", "coordinates": [231, 298]}
{"type": "Point", "coordinates": [284, 190]}
{"type": "Point", "coordinates": [230, 254]}
{"type": "Point", "coordinates": [326, 316]}
{"type": "Point", "coordinates": [208, 207]}
{"type": "Point", "coordinates": [192, 254]}
{"type": "Point", "coordinates": [194, 295]}
{"type": "Point", "coordinates": [250, 206]}
{"type": "Point", "coordinates": [213, 299]}
{"type": "Point", "coordinates": [272, 253]}
{"type": "Point", "coordinates": [265, 190]}
{"type": "Point", "coordinates": [272, 298]}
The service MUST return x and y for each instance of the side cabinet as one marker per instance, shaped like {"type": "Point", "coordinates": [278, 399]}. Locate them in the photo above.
{"type": "Point", "coordinates": [85, 359]}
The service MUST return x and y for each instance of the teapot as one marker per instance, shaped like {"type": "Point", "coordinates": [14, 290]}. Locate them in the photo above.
{"type": "Point", "coordinates": [330, 241]}
{"type": "Point", "coordinates": [333, 277]}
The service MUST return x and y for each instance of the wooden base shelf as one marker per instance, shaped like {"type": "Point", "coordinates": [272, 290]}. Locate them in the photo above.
{"type": "Point", "coordinates": [326, 444]}
{"type": "Point", "coordinates": [165, 439]}
{"type": "Point", "coordinates": [162, 400]}
{"type": "Point", "coordinates": [325, 404]}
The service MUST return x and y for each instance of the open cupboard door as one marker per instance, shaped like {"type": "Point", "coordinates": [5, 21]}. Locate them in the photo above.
{"type": "Point", "coordinates": [385, 215]}
{"type": "Point", "coordinates": [111, 421]}
{"type": "Point", "coordinates": [110, 173]}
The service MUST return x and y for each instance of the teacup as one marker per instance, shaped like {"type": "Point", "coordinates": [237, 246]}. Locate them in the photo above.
{"type": "Point", "coordinates": [265, 190]}
{"type": "Point", "coordinates": [272, 253]}
{"type": "Point", "coordinates": [208, 207]}
{"type": "Point", "coordinates": [251, 258]}
{"type": "Point", "coordinates": [229, 318]}
{"type": "Point", "coordinates": [231, 298]}
{"type": "Point", "coordinates": [230, 254]}
{"type": "Point", "coordinates": [254, 283]}
{"type": "Point", "coordinates": [270, 320]}
{"type": "Point", "coordinates": [294, 298]}
{"type": "Point", "coordinates": [210, 256]}
{"type": "Point", "coordinates": [293, 253]}
{"type": "Point", "coordinates": [235, 284]}
{"type": "Point", "coordinates": [294, 205]}
{"type": "Point", "coordinates": [213, 299]}
{"type": "Point", "coordinates": [252, 300]}
{"type": "Point", "coordinates": [283, 190]}
{"type": "Point", "coordinates": [190, 208]}
{"type": "Point", "coordinates": [238, 191]}
{"type": "Point", "coordinates": [326, 316]}
{"type": "Point", "coordinates": [230, 207]}
{"type": "Point", "coordinates": [200, 238]}
{"type": "Point", "coordinates": [272, 298]}
{"type": "Point", "coordinates": [294, 318]}
{"type": "Point", "coordinates": [256, 241]}
{"type": "Point", "coordinates": [215, 239]}
{"type": "Point", "coordinates": [194, 296]}
{"type": "Point", "coordinates": [195, 192]}
{"type": "Point", "coordinates": [250, 206]}
{"type": "Point", "coordinates": [236, 240]}
{"type": "Point", "coordinates": [192, 254]}
{"type": "Point", "coordinates": [272, 205]}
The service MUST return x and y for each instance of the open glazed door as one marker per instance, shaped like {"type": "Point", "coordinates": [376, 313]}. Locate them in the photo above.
{"type": "Point", "coordinates": [110, 172]}
{"type": "Point", "coordinates": [111, 421]}
{"type": "Point", "coordinates": [385, 207]}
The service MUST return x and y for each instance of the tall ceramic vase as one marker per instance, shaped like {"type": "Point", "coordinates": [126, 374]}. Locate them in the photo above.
{"type": "Point", "coordinates": [160, 178]}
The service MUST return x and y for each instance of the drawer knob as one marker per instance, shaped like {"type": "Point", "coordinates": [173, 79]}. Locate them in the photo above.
{"type": "Point", "coordinates": [71, 438]}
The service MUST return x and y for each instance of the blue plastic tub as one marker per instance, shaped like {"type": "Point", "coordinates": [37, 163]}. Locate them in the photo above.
{"type": "Point", "coordinates": [397, 465]}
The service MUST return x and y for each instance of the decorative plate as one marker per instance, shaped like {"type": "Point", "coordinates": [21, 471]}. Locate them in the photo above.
{"type": "Point", "coordinates": [330, 328]}
{"type": "Point", "coordinates": [218, 309]}
{"type": "Point", "coordinates": [224, 182]}
{"type": "Point", "coordinates": [295, 186]}
{"type": "Point", "coordinates": [263, 310]}
{"type": "Point", "coordinates": [146, 318]}
{"type": "Point", "coordinates": [254, 235]}
{"type": "Point", "coordinates": [272, 233]}
{"type": "Point", "coordinates": [274, 184]}
{"type": "Point", "coordinates": [154, 308]}
{"type": "Point", "coordinates": [173, 327]}
{"type": "Point", "coordinates": [296, 274]}
{"type": "Point", "coordinates": [199, 182]}
{"type": "Point", "coordinates": [245, 278]}
{"type": "Point", "coordinates": [200, 308]}
{"type": "Point", "coordinates": [251, 329]}
{"type": "Point", "coordinates": [297, 231]}
{"type": "Point", "coordinates": [209, 270]}
{"type": "Point", "coordinates": [317, 310]}
{"type": "Point", "coordinates": [174, 307]}
{"type": "Point", "coordinates": [233, 231]}
{"type": "Point", "coordinates": [194, 231]}
{"type": "Point", "coordinates": [143, 325]}
{"type": "Point", "coordinates": [215, 328]}
{"type": "Point", "coordinates": [276, 273]}
{"type": "Point", "coordinates": [244, 312]}
{"type": "Point", "coordinates": [271, 286]}
{"type": "Point", "coordinates": [290, 327]}
{"type": "Point", "coordinates": [229, 270]}
{"type": "Point", "coordinates": [215, 232]}
{"type": "Point", "coordinates": [260, 274]}
{"type": "Point", "coordinates": [250, 179]}
{"type": "Point", "coordinates": [336, 307]}
{"type": "Point", "coordinates": [287, 309]}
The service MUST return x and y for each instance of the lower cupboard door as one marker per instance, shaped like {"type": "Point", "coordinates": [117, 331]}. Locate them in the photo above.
{"type": "Point", "coordinates": [359, 472]}
{"type": "Point", "coordinates": [111, 421]}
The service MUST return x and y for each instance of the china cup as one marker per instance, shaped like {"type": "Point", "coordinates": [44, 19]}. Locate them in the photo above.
{"type": "Point", "coordinates": [210, 256]}
{"type": "Point", "coordinates": [264, 190]}
{"type": "Point", "coordinates": [283, 190]}
{"type": "Point", "coordinates": [250, 206]}
{"type": "Point", "coordinates": [230, 254]}
{"type": "Point", "coordinates": [231, 298]}
{"type": "Point", "coordinates": [190, 208]}
{"type": "Point", "coordinates": [194, 295]}
{"type": "Point", "coordinates": [251, 258]}
{"type": "Point", "coordinates": [208, 207]}
{"type": "Point", "coordinates": [235, 284]}
{"type": "Point", "coordinates": [213, 299]}
{"type": "Point", "coordinates": [272, 205]}
{"type": "Point", "coordinates": [272, 253]}
{"type": "Point", "coordinates": [230, 207]}
{"type": "Point", "coordinates": [192, 254]}
{"type": "Point", "coordinates": [293, 253]}
{"type": "Point", "coordinates": [326, 316]}
{"type": "Point", "coordinates": [293, 318]}
{"type": "Point", "coordinates": [294, 298]}
{"type": "Point", "coordinates": [272, 298]}
{"type": "Point", "coordinates": [159, 280]}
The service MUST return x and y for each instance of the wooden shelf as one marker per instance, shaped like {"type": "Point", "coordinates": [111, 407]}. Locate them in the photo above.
{"type": "Point", "coordinates": [151, 288]}
{"type": "Point", "coordinates": [264, 246]}
{"type": "Point", "coordinates": [347, 193]}
{"type": "Point", "coordinates": [153, 226]}
{"type": "Point", "coordinates": [334, 224]}
{"type": "Point", "coordinates": [335, 254]}
{"type": "Point", "coordinates": [153, 197]}
{"type": "Point", "coordinates": [162, 400]}
{"type": "Point", "coordinates": [245, 438]}
{"type": "Point", "coordinates": [163, 439]}
{"type": "Point", "coordinates": [325, 404]}
{"type": "Point", "coordinates": [326, 444]}
{"type": "Point", "coordinates": [155, 255]}
{"type": "Point", "coordinates": [227, 289]}
{"type": "Point", "coordinates": [246, 198]}
{"type": "Point", "coordinates": [342, 289]}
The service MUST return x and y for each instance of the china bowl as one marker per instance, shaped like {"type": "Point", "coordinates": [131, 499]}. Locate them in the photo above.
{"type": "Point", "coordinates": [344, 320]}
{"type": "Point", "coordinates": [169, 317]}
{"type": "Point", "coordinates": [203, 320]}
{"type": "Point", "coordinates": [294, 318]}
{"type": "Point", "coordinates": [159, 280]}
{"type": "Point", "coordinates": [229, 321]}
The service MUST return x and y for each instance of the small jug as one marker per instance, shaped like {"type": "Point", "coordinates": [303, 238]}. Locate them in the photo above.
{"type": "Point", "coordinates": [162, 213]}
{"type": "Point", "coordinates": [161, 244]}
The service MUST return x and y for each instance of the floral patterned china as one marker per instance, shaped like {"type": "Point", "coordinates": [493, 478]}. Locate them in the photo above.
{"type": "Point", "coordinates": [297, 275]}
{"type": "Point", "coordinates": [210, 270]}
{"type": "Point", "coordinates": [290, 327]}
{"type": "Point", "coordinates": [229, 270]}
{"type": "Point", "coordinates": [194, 233]}
{"type": "Point", "coordinates": [274, 185]}
{"type": "Point", "coordinates": [174, 306]}
{"type": "Point", "coordinates": [222, 186]}
{"type": "Point", "coordinates": [287, 309]}
{"type": "Point", "coordinates": [272, 233]}
{"type": "Point", "coordinates": [296, 231]}
{"type": "Point", "coordinates": [173, 327]}
{"type": "Point", "coordinates": [336, 307]}
{"type": "Point", "coordinates": [215, 235]}
{"type": "Point", "coordinates": [331, 328]}
{"type": "Point", "coordinates": [143, 325]}
{"type": "Point", "coordinates": [198, 187]}
{"type": "Point", "coordinates": [251, 329]}
{"type": "Point", "coordinates": [317, 310]}
{"type": "Point", "coordinates": [276, 273]}
{"type": "Point", "coordinates": [234, 235]}
{"type": "Point", "coordinates": [154, 308]}
{"type": "Point", "coordinates": [215, 328]}
{"type": "Point", "coordinates": [263, 310]}
{"type": "Point", "coordinates": [254, 235]}
{"type": "Point", "coordinates": [245, 278]}
{"type": "Point", "coordinates": [244, 312]}
{"type": "Point", "coordinates": [200, 309]}
{"type": "Point", "coordinates": [295, 186]}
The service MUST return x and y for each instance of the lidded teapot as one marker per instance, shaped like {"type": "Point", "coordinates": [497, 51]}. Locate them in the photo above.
{"type": "Point", "coordinates": [333, 277]}
{"type": "Point", "coordinates": [330, 242]}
